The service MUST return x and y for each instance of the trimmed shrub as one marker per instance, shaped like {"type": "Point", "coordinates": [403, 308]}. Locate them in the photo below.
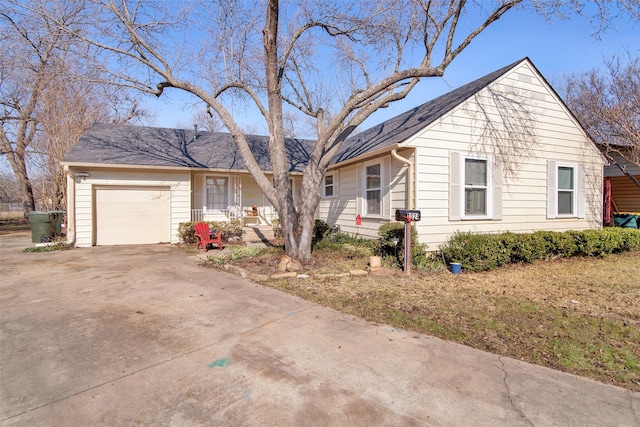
{"type": "Point", "coordinates": [523, 247]}
{"type": "Point", "coordinates": [320, 230]}
{"type": "Point", "coordinates": [630, 238]}
{"type": "Point", "coordinates": [476, 252]}
{"type": "Point", "coordinates": [230, 230]}
{"type": "Point", "coordinates": [419, 255]}
{"type": "Point", "coordinates": [389, 231]}
{"type": "Point", "coordinates": [599, 242]}
{"type": "Point", "coordinates": [559, 244]}
{"type": "Point", "coordinates": [479, 252]}
{"type": "Point", "coordinates": [386, 247]}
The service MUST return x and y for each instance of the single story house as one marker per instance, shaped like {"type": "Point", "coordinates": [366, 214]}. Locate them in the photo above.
{"type": "Point", "coordinates": [502, 153]}
{"type": "Point", "coordinates": [135, 184]}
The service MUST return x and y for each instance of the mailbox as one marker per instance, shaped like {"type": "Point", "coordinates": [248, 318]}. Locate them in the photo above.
{"type": "Point", "coordinates": [407, 215]}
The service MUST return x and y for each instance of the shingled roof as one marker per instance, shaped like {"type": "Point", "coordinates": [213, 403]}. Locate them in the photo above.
{"type": "Point", "coordinates": [111, 144]}
{"type": "Point", "coordinates": [400, 128]}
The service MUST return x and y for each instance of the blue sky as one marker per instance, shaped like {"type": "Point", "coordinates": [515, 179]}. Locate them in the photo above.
{"type": "Point", "coordinates": [557, 48]}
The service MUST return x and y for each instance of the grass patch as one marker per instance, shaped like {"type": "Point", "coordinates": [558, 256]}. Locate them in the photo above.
{"type": "Point", "coordinates": [61, 246]}
{"type": "Point", "coordinates": [578, 315]}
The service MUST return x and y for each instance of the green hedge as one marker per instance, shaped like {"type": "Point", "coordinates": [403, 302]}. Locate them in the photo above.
{"type": "Point", "coordinates": [480, 252]}
{"type": "Point", "coordinates": [386, 247]}
{"type": "Point", "coordinates": [230, 230]}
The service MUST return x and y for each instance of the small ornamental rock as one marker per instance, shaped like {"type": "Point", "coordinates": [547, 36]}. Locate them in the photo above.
{"type": "Point", "coordinates": [288, 264]}
{"type": "Point", "coordinates": [284, 275]}
{"type": "Point", "coordinates": [375, 262]}
{"type": "Point", "coordinates": [358, 273]}
{"type": "Point", "coordinates": [381, 271]}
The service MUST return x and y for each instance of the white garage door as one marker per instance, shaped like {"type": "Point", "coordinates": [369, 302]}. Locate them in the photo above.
{"type": "Point", "coordinates": [132, 215]}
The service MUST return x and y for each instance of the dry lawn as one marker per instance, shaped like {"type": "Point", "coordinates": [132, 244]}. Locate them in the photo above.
{"type": "Point", "coordinates": [577, 315]}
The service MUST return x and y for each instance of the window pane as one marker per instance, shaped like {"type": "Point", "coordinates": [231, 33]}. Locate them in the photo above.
{"type": "Point", "coordinates": [475, 201]}
{"type": "Point", "coordinates": [475, 172]}
{"type": "Point", "coordinates": [373, 202]}
{"type": "Point", "coordinates": [217, 192]}
{"type": "Point", "coordinates": [328, 185]}
{"type": "Point", "coordinates": [565, 178]}
{"type": "Point", "coordinates": [565, 202]}
{"type": "Point", "coordinates": [373, 176]}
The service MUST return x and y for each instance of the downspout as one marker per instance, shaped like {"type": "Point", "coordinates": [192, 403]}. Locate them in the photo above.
{"type": "Point", "coordinates": [409, 163]}
{"type": "Point", "coordinates": [71, 206]}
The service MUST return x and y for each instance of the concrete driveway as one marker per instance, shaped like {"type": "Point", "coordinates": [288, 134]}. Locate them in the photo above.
{"type": "Point", "coordinates": [145, 335]}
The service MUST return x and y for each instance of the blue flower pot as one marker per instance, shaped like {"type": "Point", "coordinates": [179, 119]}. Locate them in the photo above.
{"type": "Point", "coordinates": [456, 267]}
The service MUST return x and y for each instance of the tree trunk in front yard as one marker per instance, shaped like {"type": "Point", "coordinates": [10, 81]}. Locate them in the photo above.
{"type": "Point", "coordinates": [298, 224]}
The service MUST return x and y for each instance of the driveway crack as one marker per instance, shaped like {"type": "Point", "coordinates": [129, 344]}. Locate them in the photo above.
{"type": "Point", "coordinates": [505, 380]}
{"type": "Point", "coordinates": [633, 409]}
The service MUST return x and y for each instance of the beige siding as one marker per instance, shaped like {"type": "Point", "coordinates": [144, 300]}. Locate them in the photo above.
{"type": "Point", "coordinates": [342, 209]}
{"type": "Point", "coordinates": [549, 134]}
{"type": "Point", "coordinates": [518, 122]}
{"type": "Point", "coordinates": [177, 182]}
{"type": "Point", "coordinates": [253, 195]}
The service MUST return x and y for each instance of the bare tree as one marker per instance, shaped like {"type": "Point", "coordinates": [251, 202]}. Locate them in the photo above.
{"type": "Point", "coordinates": [69, 105]}
{"type": "Point", "coordinates": [335, 62]}
{"type": "Point", "coordinates": [8, 190]}
{"type": "Point", "coordinates": [607, 103]}
{"type": "Point", "coordinates": [206, 122]}
{"type": "Point", "coordinates": [50, 96]}
{"type": "Point", "coordinates": [30, 53]}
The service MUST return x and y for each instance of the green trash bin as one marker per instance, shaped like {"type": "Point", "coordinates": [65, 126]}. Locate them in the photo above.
{"type": "Point", "coordinates": [43, 226]}
{"type": "Point", "coordinates": [56, 217]}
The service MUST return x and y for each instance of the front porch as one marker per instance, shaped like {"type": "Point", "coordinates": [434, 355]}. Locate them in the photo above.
{"type": "Point", "coordinates": [249, 216]}
{"type": "Point", "coordinates": [227, 197]}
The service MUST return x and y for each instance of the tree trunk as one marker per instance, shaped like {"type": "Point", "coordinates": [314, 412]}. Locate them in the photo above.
{"type": "Point", "coordinates": [297, 243]}
{"type": "Point", "coordinates": [24, 184]}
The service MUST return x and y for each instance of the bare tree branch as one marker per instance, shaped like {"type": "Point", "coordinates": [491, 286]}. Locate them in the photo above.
{"type": "Point", "coordinates": [607, 103]}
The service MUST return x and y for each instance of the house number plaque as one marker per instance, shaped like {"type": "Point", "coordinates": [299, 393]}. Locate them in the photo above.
{"type": "Point", "coordinates": [407, 215]}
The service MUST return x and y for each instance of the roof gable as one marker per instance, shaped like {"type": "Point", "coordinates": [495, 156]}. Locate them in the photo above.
{"type": "Point", "coordinates": [400, 128]}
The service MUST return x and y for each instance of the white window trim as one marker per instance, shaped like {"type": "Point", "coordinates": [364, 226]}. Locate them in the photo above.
{"type": "Point", "coordinates": [489, 202]}
{"type": "Point", "coordinates": [579, 201]}
{"type": "Point", "coordinates": [382, 188]}
{"type": "Point", "coordinates": [574, 203]}
{"type": "Point", "coordinates": [334, 174]}
{"type": "Point", "coordinates": [204, 190]}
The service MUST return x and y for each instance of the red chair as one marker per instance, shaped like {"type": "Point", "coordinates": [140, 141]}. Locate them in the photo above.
{"type": "Point", "coordinates": [204, 236]}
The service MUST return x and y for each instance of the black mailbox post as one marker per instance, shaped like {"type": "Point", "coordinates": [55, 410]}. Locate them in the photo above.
{"type": "Point", "coordinates": [407, 216]}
